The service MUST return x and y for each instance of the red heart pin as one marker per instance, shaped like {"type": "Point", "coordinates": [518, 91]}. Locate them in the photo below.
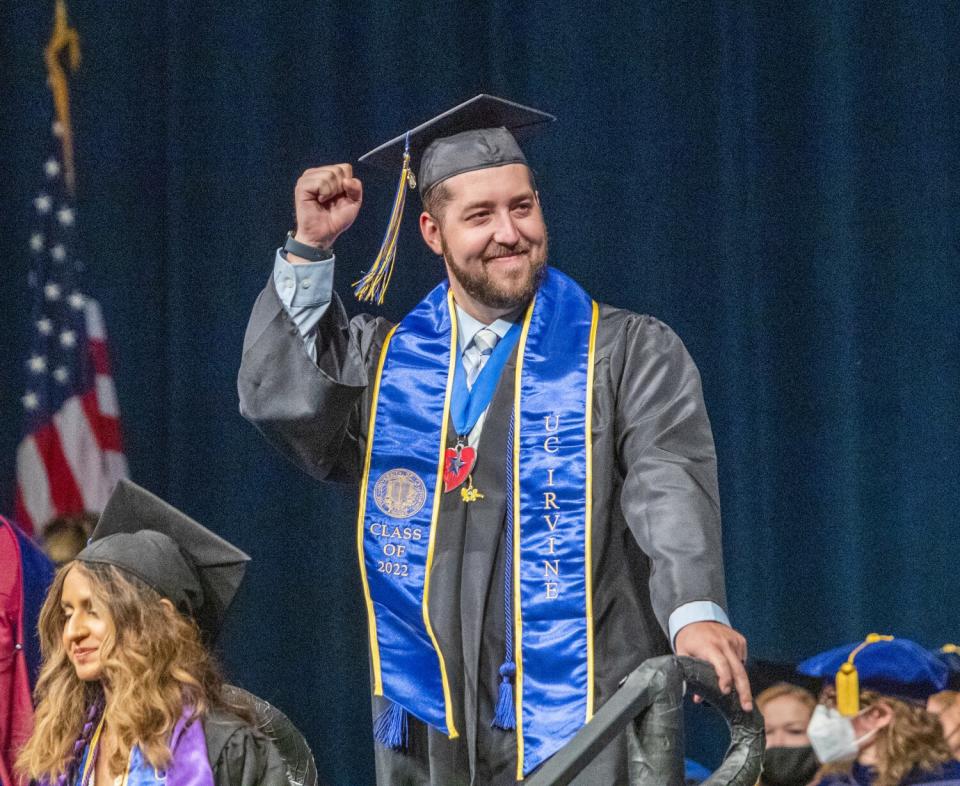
{"type": "Point", "coordinates": [457, 465]}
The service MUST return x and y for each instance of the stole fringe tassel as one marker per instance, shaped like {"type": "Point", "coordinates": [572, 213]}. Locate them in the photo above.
{"type": "Point", "coordinates": [504, 716]}
{"type": "Point", "coordinates": [391, 728]}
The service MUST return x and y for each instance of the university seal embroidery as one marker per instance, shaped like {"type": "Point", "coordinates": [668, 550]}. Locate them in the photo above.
{"type": "Point", "coordinates": [399, 493]}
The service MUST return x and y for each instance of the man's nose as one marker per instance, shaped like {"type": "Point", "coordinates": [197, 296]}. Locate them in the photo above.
{"type": "Point", "coordinates": [506, 232]}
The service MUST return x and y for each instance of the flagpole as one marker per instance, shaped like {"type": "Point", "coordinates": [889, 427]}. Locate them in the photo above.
{"type": "Point", "coordinates": [63, 38]}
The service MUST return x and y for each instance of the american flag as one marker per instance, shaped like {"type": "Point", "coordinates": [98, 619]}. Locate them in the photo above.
{"type": "Point", "coordinates": [71, 454]}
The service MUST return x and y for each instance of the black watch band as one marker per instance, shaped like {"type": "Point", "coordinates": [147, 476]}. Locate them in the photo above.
{"type": "Point", "coordinates": [311, 253]}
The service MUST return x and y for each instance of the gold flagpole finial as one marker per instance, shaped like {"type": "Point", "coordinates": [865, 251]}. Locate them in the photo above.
{"type": "Point", "coordinates": [64, 39]}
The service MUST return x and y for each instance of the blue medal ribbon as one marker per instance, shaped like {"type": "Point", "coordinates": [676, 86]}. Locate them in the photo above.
{"type": "Point", "coordinates": [468, 404]}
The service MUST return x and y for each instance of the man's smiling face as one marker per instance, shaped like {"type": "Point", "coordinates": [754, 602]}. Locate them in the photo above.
{"type": "Point", "coordinates": [492, 236]}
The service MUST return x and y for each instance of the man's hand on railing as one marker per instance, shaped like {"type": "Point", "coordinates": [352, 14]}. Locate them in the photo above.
{"type": "Point", "coordinates": [724, 649]}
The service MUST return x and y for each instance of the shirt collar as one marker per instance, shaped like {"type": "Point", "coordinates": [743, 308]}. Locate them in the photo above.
{"type": "Point", "coordinates": [468, 327]}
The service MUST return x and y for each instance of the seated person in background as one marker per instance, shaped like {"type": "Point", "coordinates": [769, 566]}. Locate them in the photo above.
{"type": "Point", "coordinates": [871, 725]}
{"type": "Point", "coordinates": [789, 759]}
{"type": "Point", "coordinates": [946, 706]}
{"type": "Point", "coordinates": [25, 574]}
{"type": "Point", "coordinates": [128, 689]}
{"type": "Point", "coordinates": [66, 536]}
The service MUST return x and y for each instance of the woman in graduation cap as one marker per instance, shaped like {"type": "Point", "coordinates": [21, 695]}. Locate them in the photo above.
{"type": "Point", "coordinates": [128, 692]}
{"type": "Point", "coordinates": [872, 727]}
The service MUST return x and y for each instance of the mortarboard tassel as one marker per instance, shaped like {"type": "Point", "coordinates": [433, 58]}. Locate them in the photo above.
{"type": "Point", "coordinates": [373, 285]}
{"type": "Point", "coordinates": [392, 727]}
{"type": "Point", "coordinates": [848, 680]}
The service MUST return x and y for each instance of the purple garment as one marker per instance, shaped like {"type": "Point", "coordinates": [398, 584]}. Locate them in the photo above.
{"type": "Point", "coordinates": [190, 766]}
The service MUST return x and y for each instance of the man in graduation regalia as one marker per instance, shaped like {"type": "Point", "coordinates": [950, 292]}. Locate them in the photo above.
{"type": "Point", "coordinates": [538, 496]}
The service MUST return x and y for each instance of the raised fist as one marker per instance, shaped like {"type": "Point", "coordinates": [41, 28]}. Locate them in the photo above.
{"type": "Point", "coordinates": [327, 200]}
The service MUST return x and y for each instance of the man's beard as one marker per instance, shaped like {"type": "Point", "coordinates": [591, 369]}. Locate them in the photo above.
{"type": "Point", "coordinates": [493, 294]}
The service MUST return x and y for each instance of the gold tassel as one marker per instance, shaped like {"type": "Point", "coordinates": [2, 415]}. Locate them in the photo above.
{"type": "Point", "coordinates": [848, 690]}
{"type": "Point", "coordinates": [848, 680]}
{"type": "Point", "coordinates": [372, 287]}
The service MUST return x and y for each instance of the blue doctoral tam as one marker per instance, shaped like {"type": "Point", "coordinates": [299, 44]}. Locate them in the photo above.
{"type": "Point", "coordinates": [894, 667]}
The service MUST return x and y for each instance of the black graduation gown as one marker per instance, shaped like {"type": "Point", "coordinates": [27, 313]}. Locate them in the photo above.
{"type": "Point", "coordinates": [241, 755]}
{"type": "Point", "coordinates": [656, 517]}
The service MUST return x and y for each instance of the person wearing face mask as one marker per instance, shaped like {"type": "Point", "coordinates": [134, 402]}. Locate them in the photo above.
{"type": "Point", "coordinates": [789, 759]}
{"type": "Point", "coordinates": [871, 727]}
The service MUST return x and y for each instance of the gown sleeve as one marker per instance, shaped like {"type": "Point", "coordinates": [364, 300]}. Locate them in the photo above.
{"type": "Point", "coordinates": [670, 497]}
{"type": "Point", "coordinates": [249, 759]}
{"type": "Point", "coordinates": [311, 411]}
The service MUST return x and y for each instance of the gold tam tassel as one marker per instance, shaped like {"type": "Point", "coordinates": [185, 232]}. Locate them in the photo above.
{"type": "Point", "coordinates": [848, 680]}
{"type": "Point", "coordinates": [372, 287]}
{"type": "Point", "coordinates": [848, 690]}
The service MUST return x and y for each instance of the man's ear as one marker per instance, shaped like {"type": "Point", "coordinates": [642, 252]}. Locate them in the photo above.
{"type": "Point", "coordinates": [168, 604]}
{"type": "Point", "coordinates": [430, 231]}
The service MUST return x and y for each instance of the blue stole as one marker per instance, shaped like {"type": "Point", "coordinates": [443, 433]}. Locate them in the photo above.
{"type": "Point", "coordinates": [400, 496]}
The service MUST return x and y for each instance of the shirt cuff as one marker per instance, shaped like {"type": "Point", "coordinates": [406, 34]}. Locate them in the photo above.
{"type": "Point", "coordinates": [695, 611]}
{"type": "Point", "coordinates": [305, 285]}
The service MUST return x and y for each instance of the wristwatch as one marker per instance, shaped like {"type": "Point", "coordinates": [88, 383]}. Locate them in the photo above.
{"type": "Point", "coordinates": [310, 253]}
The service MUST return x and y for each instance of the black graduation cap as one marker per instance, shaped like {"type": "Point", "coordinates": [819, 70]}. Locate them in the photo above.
{"type": "Point", "coordinates": [198, 571]}
{"type": "Point", "coordinates": [767, 673]}
{"type": "Point", "coordinates": [480, 133]}
{"type": "Point", "coordinates": [477, 134]}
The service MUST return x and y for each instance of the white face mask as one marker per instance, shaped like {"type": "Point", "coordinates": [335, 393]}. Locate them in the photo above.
{"type": "Point", "coordinates": [832, 736]}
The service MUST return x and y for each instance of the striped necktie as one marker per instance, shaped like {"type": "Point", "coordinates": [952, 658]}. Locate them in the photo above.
{"type": "Point", "coordinates": [475, 356]}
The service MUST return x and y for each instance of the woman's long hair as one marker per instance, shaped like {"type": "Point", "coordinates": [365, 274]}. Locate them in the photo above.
{"type": "Point", "coordinates": [153, 667]}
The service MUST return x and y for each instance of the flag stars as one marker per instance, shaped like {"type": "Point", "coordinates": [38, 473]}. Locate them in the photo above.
{"type": "Point", "coordinates": [43, 204]}
{"type": "Point", "coordinates": [68, 339]}
{"type": "Point", "coordinates": [66, 216]}
{"type": "Point", "coordinates": [61, 375]}
{"type": "Point", "coordinates": [76, 301]}
{"type": "Point", "coordinates": [51, 168]}
{"type": "Point", "coordinates": [30, 401]}
{"type": "Point", "coordinates": [58, 252]}
{"type": "Point", "coordinates": [52, 291]}
{"type": "Point", "coordinates": [36, 242]}
{"type": "Point", "coordinates": [45, 326]}
{"type": "Point", "coordinates": [37, 364]}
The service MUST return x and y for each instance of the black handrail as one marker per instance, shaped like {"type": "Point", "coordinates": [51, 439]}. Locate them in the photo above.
{"type": "Point", "coordinates": [652, 696]}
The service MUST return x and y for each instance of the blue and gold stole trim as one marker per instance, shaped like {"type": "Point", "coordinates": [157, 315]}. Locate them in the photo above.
{"type": "Point", "coordinates": [552, 482]}
{"type": "Point", "coordinates": [399, 503]}
{"type": "Point", "coordinates": [552, 466]}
